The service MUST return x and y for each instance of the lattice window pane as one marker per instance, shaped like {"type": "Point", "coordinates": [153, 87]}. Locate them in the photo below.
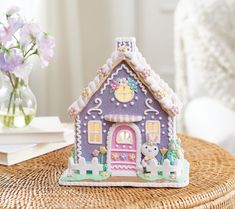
{"type": "Point", "coordinates": [95, 132]}
{"type": "Point", "coordinates": [153, 130]}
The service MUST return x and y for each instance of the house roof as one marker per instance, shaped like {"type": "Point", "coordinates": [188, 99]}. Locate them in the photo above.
{"type": "Point", "coordinates": [127, 50]}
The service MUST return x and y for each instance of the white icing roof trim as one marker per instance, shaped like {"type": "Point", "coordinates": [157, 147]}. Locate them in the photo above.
{"type": "Point", "coordinates": [123, 118]}
{"type": "Point", "coordinates": [162, 92]}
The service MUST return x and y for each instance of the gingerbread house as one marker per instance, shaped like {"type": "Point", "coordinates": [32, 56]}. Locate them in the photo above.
{"type": "Point", "coordinates": [125, 129]}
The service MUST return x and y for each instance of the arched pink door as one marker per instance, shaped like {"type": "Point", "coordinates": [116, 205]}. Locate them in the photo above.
{"type": "Point", "coordinates": [123, 152]}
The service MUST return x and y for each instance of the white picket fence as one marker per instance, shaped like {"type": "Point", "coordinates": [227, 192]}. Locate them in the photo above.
{"type": "Point", "coordinates": [153, 168]}
{"type": "Point", "coordinates": [82, 166]}
{"type": "Point", "coordinates": [166, 168]}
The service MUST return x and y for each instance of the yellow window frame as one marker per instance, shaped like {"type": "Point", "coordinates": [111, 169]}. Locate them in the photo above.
{"type": "Point", "coordinates": [95, 132]}
{"type": "Point", "coordinates": [153, 127]}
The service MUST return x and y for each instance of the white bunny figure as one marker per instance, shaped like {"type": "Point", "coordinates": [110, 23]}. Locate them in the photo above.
{"type": "Point", "coordinates": [150, 151]}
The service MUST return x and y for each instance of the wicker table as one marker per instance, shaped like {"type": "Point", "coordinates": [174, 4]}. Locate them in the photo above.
{"type": "Point", "coordinates": [34, 184]}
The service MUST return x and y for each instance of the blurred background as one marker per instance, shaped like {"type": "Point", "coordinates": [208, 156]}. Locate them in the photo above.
{"type": "Point", "coordinates": [191, 44]}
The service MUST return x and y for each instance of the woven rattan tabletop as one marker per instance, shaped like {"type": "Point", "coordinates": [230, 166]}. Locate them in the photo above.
{"type": "Point", "coordinates": [34, 184]}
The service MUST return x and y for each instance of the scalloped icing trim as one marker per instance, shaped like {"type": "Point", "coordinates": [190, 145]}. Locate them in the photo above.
{"type": "Point", "coordinates": [171, 128]}
{"type": "Point", "coordinates": [78, 138]}
{"type": "Point", "coordinates": [107, 83]}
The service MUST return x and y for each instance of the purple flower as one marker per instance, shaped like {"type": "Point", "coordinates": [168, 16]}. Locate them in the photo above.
{"type": "Point", "coordinates": [45, 49]}
{"type": "Point", "coordinates": [30, 32]}
{"type": "Point", "coordinates": [15, 22]}
{"type": "Point", "coordinates": [10, 60]}
{"type": "Point", "coordinates": [5, 34]}
{"type": "Point", "coordinates": [23, 70]}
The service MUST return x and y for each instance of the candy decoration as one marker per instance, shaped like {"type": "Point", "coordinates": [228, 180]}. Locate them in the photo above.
{"type": "Point", "coordinates": [103, 150]}
{"type": "Point", "coordinates": [104, 173]}
{"type": "Point", "coordinates": [114, 156]}
{"type": "Point", "coordinates": [172, 147]}
{"type": "Point", "coordinates": [175, 151]}
{"type": "Point", "coordinates": [133, 84]}
{"type": "Point", "coordinates": [132, 157]}
{"type": "Point", "coordinates": [160, 94]}
{"type": "Point", "coordinates": [85, 92]}
{"type": "Point", "coordinates": [96, 153]}
{"type": "Point", "coordinates": [146, 73]}
{"type": "Point", "coordinates": [114, 85]}
{"type": "Point", "coordinates": [123, 156]}
{"type": "Point", "coordinates": [72, 112]}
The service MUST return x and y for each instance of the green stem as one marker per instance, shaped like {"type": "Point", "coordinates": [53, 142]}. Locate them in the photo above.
{"type": "Point", "coordinates": [15, 82]}
{"type": "Point", "coordinates": [9, 105]}
{"type": "Point", "coordinates": [162, 158]}
{"type": "Point", "coordinates": [35, 52]}
{"type": "Point", "coordinates": [29, 50]}
{"type": "Point", "coordinates": [11, 80]}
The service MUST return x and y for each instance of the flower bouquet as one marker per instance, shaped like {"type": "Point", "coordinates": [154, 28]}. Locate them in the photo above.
{"type": "Point", "coordinates": [19, 41]}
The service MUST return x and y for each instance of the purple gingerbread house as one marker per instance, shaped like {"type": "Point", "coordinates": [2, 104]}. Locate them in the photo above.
{"type": "Point", "coordinates": [125, 132]}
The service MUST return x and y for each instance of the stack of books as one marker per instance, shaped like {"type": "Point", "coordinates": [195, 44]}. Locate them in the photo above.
{"type": "Point", "coordinates": [43, 135]}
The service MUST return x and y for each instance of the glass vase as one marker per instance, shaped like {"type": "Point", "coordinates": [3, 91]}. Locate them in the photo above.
{"type": "Point", "coordinates": [18, 104]}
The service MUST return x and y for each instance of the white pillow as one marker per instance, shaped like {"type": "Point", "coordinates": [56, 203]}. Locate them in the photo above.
{"type": "Point", "coordinates": [208, 119]}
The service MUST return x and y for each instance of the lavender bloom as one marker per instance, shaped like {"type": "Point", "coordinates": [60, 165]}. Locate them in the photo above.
{"type": "Point", "coordinates": [23, 70]}
{"type": "Point", "coordinates": [5, 34]}
{"type": "Point", "coordinates": [30, 32]}
{"type": "Point", "coordinates": [45, 49]}
{"type": "Point", "coordinates": [15, 22]}
{"type": "Point", "coordinates": [9, 61]}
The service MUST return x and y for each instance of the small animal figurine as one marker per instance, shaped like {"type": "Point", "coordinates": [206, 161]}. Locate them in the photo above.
{"type": "Point", "coordinates": [150, 151]}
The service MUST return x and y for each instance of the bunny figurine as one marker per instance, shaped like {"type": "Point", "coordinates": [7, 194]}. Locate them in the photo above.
{"type": "Point", "coordinates": [150, 151]}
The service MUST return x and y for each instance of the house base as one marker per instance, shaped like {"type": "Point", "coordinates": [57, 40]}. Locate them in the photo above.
{"type": "Point", "coordinates": [131, 181]}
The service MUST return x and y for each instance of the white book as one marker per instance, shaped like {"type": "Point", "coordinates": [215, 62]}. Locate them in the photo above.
{"type": "Point", "coordinates": [40, 130]}
{"type": "Point", "coordinates": [12, 154]}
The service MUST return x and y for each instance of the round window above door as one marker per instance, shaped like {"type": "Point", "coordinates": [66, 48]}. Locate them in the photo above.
{"type": "Point", "coordinates": [124, 94]}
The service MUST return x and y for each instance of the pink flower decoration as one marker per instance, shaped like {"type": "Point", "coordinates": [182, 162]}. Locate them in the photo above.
{"type": "Point", "coordinates": [132, 157]}
{"type": "Point", "coordinates": [96, 153]}
{"type": "Point", "coordinates": [172, 147]}
{"type": "Point", "coordinates": [115, 156]}
{"type": "Point", "coordinates": [114, 85]}
{"type": "Point", "coordinates": [72, 112]}
{"type": "Point", "coordinates": [146, 73]}
{"type": "Point", "coordinates": [174, 110]}
{"type": "Point", "coordinates": [101, 72]}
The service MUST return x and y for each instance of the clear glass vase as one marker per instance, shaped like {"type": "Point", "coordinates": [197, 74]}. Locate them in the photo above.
{"type": "Point", "coordinates": [18, 104]}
